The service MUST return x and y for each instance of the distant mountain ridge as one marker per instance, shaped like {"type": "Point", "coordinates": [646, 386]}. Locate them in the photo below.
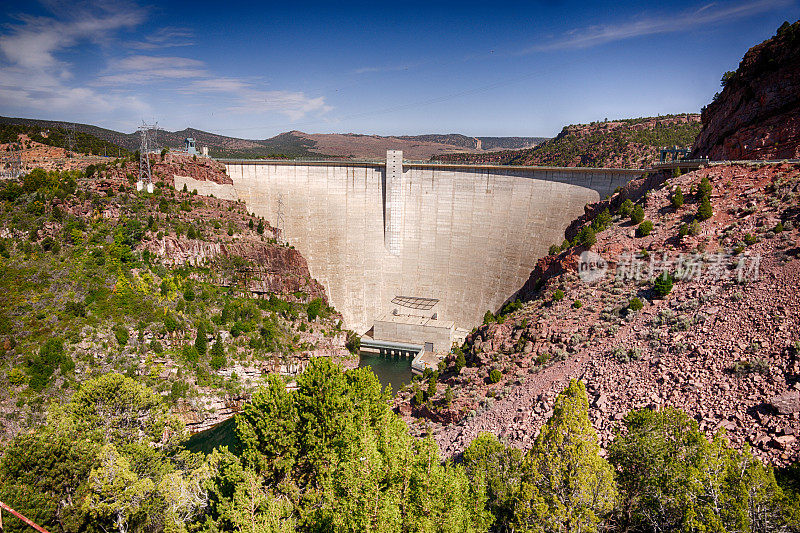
{"type": "Point", "coordinates": [623, 143]}
{"type": "Point", "coordinates": [295, 144]}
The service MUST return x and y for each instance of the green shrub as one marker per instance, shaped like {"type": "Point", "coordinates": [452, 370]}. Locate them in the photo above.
{"type": "Point", "coordinates": [585, 237]}
{"type": "Point", "coordinates": [626, 208]}
{"type": "Point", "coordinates": [750, 239]}
{"type": "Point", "coordinates": [683, 231]}
{"type": "Point", "coordinates": [704, 211]}
{"type": "Point", "coordinates": [316, 308]}
{"type": "Point", "coordinates": [755, 366]}
{"type": "Point", "coordinates": [77, 309]}
{"type": "Point", "coordinates": [260, 227]}
{"type": "Point", "coordinates": [190, 353]}
{"type": "Point", "coordinates": [778, 228]}
{"type": "Point", "coordinates": [637, 214]}
{"type": "Point", "coordinates": [16, 377]}
{"type": "Point", "coordinates": [577, 304]}
{"type": "Point", "coordinates": [42, 365]}
{"type": "Point", "coordinates": [461, 362]}
{"type": "Point", "coordinates": [448, 396]}
{"type": "Point", "coordinates": [558, 295]}
{"type": "Point", "coordinates": [495, 376]}
{"type": "Point", "coordinates": [601, 221]}
{"type": "Point", "coordinates": [677, 198]}
{"type": "Point", "coordinates": [188, 294]}
{"type": "Point", "coordinates": [635, 304]}
{"type": "Point", "coordinates": [156, 347]}
{"type": "Point", "coordinates": [353, 342]}
{"type": "Point", "coordinates": [645, 228]}
{"type": "Point", "coordinates": [170, 324]}
{"type": "Point", "coordinates": [122, 335]}
{"type": "Point", "coordinates": [662, 285]}
{"type": "Point", "coordinates": [554, 249]}
{"type": "Point", "coordinates": [489, 318]}
{"type": "Point", "coordinates": [694, 228]}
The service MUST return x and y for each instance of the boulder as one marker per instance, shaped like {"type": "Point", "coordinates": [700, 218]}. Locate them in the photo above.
{"type": "Point", "coordinates": [786, 403]}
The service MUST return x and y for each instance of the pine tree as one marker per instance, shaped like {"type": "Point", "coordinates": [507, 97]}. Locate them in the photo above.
{"type": "Point", "coordinates": [677, 197]}
{"type": "Point", "coordinates": [704, 189]}
{"type": "Point", "coordinates": [662, 285]}
{"type": "Point", "coordinates": [626, 208]}
{"type": "Point", "coordinates": [704, 211]}
{"type": "Point", "coordinates": [218, 359]}
{"type": "Point", "coordinates": [637, 214]}
{"type": "Point", "coordinates": [566, 485]}
{"type": "Point", "coordinates": [201, 340]}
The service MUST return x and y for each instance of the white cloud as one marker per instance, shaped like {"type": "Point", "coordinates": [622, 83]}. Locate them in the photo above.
{"type": "Point", "coordinates": [140, 69]}
{"type": "Point", "coordinates": [250, 100]}
{"type": "Point", "coordinates": [166, 37]}
{"type": "Point", "coordinates": [32, 76]}
{"type": "Point", "coordinates": [706, 15]}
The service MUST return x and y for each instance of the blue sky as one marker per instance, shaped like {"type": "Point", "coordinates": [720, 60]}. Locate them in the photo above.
{"type": "Point", "coordinates": [488, 68]}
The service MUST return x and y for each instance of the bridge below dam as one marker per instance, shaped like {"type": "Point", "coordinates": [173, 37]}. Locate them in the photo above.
{"type": "Point", "coordinates": [380, 235]}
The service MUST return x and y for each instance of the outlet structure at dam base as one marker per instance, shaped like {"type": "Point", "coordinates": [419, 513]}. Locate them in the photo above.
{"type": "Point", "coordinates": [380, 235]}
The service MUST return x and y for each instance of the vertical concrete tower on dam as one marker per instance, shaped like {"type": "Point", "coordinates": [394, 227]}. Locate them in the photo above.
{"type": "Point", "coordinates": [467, 236]}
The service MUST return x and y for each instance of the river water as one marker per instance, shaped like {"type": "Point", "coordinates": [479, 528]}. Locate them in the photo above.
{"type": "Point", "coordinates": [390, 371]}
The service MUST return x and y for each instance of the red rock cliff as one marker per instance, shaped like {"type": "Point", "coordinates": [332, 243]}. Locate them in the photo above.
{"type": "Point", "coordinates": [757, 114]}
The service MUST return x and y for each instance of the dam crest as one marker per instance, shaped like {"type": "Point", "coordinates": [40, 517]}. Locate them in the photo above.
{"type": "Point", "coordinates": [465, 235]}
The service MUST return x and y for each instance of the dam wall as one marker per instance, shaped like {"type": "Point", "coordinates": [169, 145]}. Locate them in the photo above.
{"type": "Point", "coordinates": [468, 236]}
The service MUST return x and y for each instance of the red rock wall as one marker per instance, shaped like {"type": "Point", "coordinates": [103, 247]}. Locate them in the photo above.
{"type": "Point", "coordinates": [757, 115]}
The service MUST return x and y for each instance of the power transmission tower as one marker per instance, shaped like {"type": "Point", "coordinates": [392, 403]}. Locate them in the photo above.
{"type": "Point", "coordinates": [71, 137]}
{"type": "Point", "coordinates": [16, 161]}
{"type": "Point", "coordinates": [279, 223]}
{"type": "Point", "coordinates": [12, 162]}
{"type": "Point", "coordinates": [147, 143]}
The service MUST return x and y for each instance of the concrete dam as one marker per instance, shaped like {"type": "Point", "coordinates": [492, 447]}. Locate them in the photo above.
{"type": "Point", "coordinates": [372, 232]}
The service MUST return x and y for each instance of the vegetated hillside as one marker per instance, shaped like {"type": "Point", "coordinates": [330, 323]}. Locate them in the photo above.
{"type": "Point", "coordinates": [757, 114]}
{"type": "Point", "coordinates": [291, 144]}
{"type": "Point", "coordinates": [626, 143]}
{"type": "Point", "coordinates": [722, 345]}
{"type": "Point", "coordinates": [97, 277]}
{"type": "Point", "coordinates": [83, 143]}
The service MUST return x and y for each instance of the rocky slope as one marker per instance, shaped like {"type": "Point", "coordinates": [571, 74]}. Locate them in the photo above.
{"type": "Point", "coordinates": [723, 349]}
{"type": "Point", "coordinates": [757, 114]}
{"type": "Point", "coordinates": [33, 154]}
{"type": "Point", "coordinates": [631, 143]}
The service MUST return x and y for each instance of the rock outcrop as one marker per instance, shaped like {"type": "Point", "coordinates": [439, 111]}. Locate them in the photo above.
{"type": "Point", "coordinates": [269, 268]}
{"type": "Point", "coordinates": [757, 114]}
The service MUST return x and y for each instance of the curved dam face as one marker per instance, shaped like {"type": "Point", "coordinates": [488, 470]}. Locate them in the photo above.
{"type": "Point", "coordinates": [468, 236]}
